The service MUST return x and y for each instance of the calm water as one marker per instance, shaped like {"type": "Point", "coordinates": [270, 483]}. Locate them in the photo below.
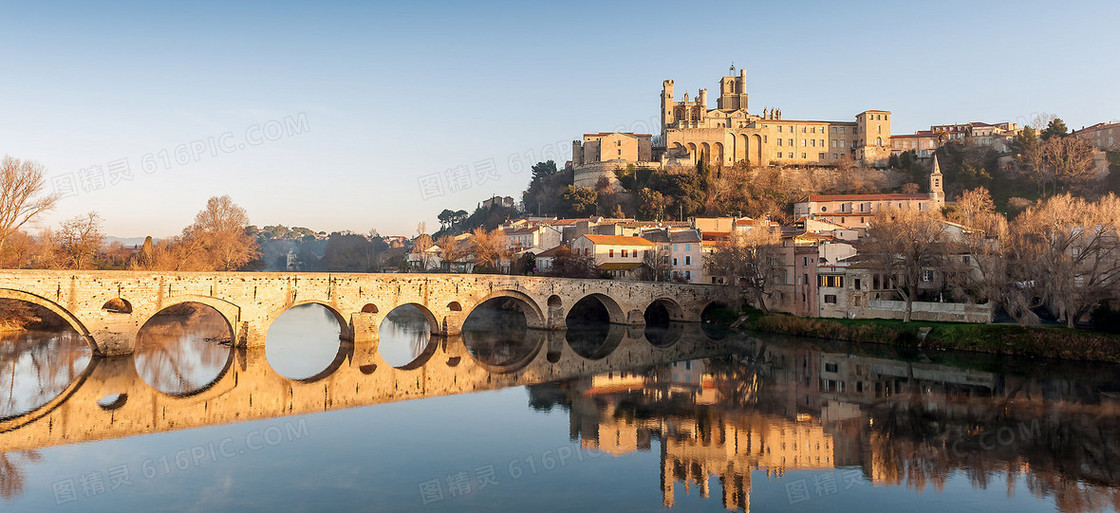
{"type": "Point", "coordinates": [507, 419]}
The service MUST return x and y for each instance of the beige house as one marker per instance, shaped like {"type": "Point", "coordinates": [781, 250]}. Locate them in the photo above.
{"type": "Point", "coordinates": [859, 210]}
{"type": "Point", "coordinates": [615, 254]}
{"type": "Point", "coordinates": [1105, 136]}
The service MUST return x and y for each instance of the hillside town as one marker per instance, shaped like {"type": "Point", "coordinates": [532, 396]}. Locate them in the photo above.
{"type": "Point", "coordinates": [823, 253]}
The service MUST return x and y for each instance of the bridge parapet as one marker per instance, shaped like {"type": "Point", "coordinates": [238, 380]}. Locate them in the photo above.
{"type": "Point", "coordinates": [110, 307]}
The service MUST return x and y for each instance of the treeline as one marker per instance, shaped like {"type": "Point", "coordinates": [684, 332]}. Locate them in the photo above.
{"type": "Point", "coordinates": [301, 249]}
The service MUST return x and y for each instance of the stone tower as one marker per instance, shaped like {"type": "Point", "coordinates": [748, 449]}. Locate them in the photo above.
{"type": "Point", "coordinates": [667, 105]}
{"type": "Point", "coordinates": [733, 91]}
{"type": "Point", "coordinates": [936, 184]}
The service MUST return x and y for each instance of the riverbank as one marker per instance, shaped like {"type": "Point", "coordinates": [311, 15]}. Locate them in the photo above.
{"type": "Point", "coordinates": [1031, 341]}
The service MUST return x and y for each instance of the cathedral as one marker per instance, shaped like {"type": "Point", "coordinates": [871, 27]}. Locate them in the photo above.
{"type": "Point", "coordinates": [691, 132]}
{"type": "Point", "coordinates": [729, 133]}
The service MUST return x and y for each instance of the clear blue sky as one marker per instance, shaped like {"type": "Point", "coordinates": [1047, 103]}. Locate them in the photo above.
{"type": "Point", "coordinates": [399, 91]}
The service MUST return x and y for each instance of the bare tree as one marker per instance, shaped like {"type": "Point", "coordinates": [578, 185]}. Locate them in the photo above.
{"type": "Point", "coordinates": [1070, 252]}
{"type": "Point", "coordinates": [1057, 162]}
{"type": "Point", "coordinates": [220, 228]}
{"type": "Point", "coordinates": [452, 249]}
{"type": "Point", "coordinates": [488, 247]}
{"type": "Point", "coordinates": [904, 243]}
{"type": "Point", "coordinates": [420, 246]}
{"type": "Point", "coordinates": [657, 267]}
{"type": "Point", "coordinates": [1042, 120]}
{"type": "Point", "coordinates": [80, 239]}
{"type": "Point", "coordinates": [972, 204]}
{"type": "Point", "coordinates": [21, 195]}
{"type": "Point", "coordinates": [750, 260]}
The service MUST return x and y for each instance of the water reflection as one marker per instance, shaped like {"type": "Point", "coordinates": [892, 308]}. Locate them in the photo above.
{"type": "Point", "coordinates": [183, 349]}
{"type": "Point", "coordinates": [304, 342]}
{"type": "Point", "coordinates": [404, 336]}
{"type": "Point", "coordinates": [496, 334]}
{"type": "Point", "coordinates": [37, 366]}
{"type": "Point", "coordinates": [860, 419]}
{"type": "Point", "coordinates": [746, 422]}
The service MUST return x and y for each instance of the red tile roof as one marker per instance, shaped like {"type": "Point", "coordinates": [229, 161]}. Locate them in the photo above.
{"type": "Point", "coordinates": [865, 197]}
{"type": "Point", "coordinates": [618, 240]}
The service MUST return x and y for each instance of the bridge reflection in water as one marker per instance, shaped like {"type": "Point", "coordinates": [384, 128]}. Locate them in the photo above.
{"type": "Point", "coordinates": [160, 389]}
{"type": "Point", "coordinates": [740, 412]}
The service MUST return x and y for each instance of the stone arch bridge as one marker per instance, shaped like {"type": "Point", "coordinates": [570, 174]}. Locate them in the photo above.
{"type": "Point", "coordinates": [108, 308]}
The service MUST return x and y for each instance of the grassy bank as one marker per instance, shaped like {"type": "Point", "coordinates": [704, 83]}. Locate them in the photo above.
{"type": "Point", "coordinates": [1034, 341]}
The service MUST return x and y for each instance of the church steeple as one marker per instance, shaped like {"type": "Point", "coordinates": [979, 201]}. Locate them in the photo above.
{"type": "Point", "coordinates": [936, 184]}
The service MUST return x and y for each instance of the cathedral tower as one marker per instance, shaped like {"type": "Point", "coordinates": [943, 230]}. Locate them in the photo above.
{"type": "Point", "coordinates": [733, 91]}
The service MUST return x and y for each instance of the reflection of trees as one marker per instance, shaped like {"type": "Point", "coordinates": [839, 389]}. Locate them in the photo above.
{"type": "Point", "coordinates": [1048, 428]}
{"type": "Point", "coordinates": [495, 333]}
{"type": "Point", "coordinates": [36, 366]}
{"type": "Point", "coordinates": [1065, 450]}
{"type": "Point", "coordinates": [408, 325]}
{"type": "Point", "coordinates": [182, 351]}
{"type": "Point", "coordinates": [11, 475]}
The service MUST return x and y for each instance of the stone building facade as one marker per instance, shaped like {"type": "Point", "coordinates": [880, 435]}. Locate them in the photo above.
{"type": "Point", "coordinates": [730, 133]}
{"type": "Point", "coordinates": [1105, 136]}
{"type": "Point", "coordinates": [858, 210]}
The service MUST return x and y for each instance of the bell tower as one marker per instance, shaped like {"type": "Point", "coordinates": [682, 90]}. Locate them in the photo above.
{"type": "Point", "coordinates": [936, 184]}
{"type": "Point", "coordinates": [733, 90]}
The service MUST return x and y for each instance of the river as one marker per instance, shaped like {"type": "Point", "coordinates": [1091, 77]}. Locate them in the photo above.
{"type": "Point", "coordinates": [599, 418]}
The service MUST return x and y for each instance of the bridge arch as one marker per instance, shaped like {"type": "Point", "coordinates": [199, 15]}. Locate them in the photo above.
{"type": "Point", "coordinates": [432, 320]}
{"type": "Point", "coordinates": [672, 308]}
{"type": "Point", "coordinates": [535, 317]}
{"type": "Point", "coordinates": [344, 330]}
{"type": "Point", "coordinates": [614, 311]}
{"type": "Point", "coordinates": [55, 308]}
{"type": "Point", "coordinates": [229, 311]}
{"type": "Point", "coordinates": [155, 353]}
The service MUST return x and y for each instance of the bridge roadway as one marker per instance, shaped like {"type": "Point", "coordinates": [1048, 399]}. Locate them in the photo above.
{"type": "Point", "coordinates": [108, 308]}
{"type": "Point", "coordinates": [249, 389]}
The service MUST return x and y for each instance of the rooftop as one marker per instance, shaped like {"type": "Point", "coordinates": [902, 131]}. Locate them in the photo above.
{"type": "Point", "coordinates": [864, 197]}
{"type": "Point", "coordinates": [618, 240]}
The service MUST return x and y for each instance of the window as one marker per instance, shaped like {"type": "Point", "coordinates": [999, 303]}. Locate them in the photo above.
{"type": "Point", "coordinates": [804, 142]}
{"type": "Point", "coordinates": [857, 283]}
{"type": "Point", "coordinates": [688, 247]}
{"type": "Point", "coordinates": [830, 299]}
{"type": "Point", "coordinates": [779, 129]}
{"type": "Point", "coordinates": [610, 252]}
{"type": "Point", "coordinates": [791, 144]}
{"type": "Point", "coordinates": [802, 154]}
{"type": "Point", "coordinates": [687, 260]}
{"type": "Point", "coordinates": [802, 129]}
{"type": "Point", "coordinates": [675, 248]}
{"type": "Point", "coordinates": [624, 253]}
{"type": "Point", "coordinates": [927, 275]}
{"type": "Point", "coordinates": [779, 142]}
{"type": "Point", "coordinates": [831, 367]}
{"type": "Point", "coordinates": [688, 275]}
{"type": "Point", "coordinates": [674, 261]}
